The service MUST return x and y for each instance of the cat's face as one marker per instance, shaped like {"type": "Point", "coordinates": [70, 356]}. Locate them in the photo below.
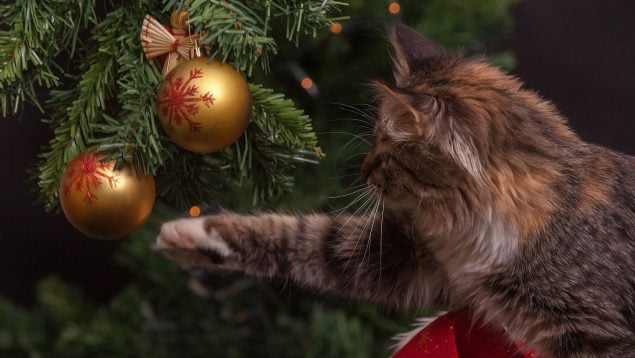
{"type": "Point", "coordinates": [440, 127]}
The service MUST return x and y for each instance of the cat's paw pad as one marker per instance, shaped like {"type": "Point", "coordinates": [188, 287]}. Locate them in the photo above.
{"type": "Point", "coordinates": [189, 243]}
{"type": "Point", "coordinates": [178, 235]}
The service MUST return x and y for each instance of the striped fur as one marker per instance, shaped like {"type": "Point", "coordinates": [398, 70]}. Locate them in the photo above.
{"type": "Point", "coordinates": [484, 199]}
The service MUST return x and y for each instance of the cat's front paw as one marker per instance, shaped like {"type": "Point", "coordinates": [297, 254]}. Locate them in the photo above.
{"type": "Point", "coordinates": [192, 243]}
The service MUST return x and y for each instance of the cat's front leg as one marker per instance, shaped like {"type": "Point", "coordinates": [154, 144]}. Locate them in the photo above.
{"type": "Point", "coordinates": [252, 244]}
{"type": "Point", "coordinates": [361, 256]}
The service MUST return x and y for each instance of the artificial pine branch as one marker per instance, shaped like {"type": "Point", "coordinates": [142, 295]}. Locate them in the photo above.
{"type": "Point", "coordinates": [111, 106]}
{"type": "Point", "coordinates": [189, 178]}
{"type": "Point", "coordinates": [303, 18]}
{"type": "Point", "coordinates": [237, 33]}
{"type": "Point", "coordinates": [267, 167]}
{"type": "Point", "coordinates": [133, 135]}
{"type": "Point", "coordinates": [75, 112]}
{"type": "Point", "coordinates": [37, 31]}
{"type": "Point", "coordinates": [281, 122]}
{"type": "Point", "coordinates": [240, 31]}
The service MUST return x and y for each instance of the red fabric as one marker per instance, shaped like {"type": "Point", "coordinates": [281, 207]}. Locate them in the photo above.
{"type": "Point", "coordinates": [457, 335]}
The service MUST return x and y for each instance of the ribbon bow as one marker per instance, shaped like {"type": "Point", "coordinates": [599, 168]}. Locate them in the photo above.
{"type": "Point", "coordinates": [158, 39]}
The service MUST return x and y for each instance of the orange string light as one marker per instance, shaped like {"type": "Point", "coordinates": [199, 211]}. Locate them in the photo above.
{"type": "Point", "coordinates": [306, 83]}
{"type": "Point", "coordinates": [195, 211]}
{"type": "Point", "coordinates": [394, 8]}
{"type": "Point", "coordinates": [336, 28]}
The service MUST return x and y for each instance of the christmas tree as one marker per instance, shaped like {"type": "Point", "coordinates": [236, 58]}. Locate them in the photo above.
{"type": "Point", "coordinates": [82, 64]}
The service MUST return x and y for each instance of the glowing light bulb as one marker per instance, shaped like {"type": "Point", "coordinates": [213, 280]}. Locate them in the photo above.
{"type": "Point", "coordinates": [394, 8]}
{"type": "Point", "coordinates": [336, 28]}
{"type": "Point", "coordinates": [195, 211]}
{"type": "Point", "coordinates": [306, 83]}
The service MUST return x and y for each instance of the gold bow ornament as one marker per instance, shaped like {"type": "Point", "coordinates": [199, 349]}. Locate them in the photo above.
{"type": "Point", "coordinates": [158, 39]}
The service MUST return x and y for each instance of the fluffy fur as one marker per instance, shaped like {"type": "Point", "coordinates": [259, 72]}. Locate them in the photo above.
{"type": "Point", "coordinates": [484, 199]}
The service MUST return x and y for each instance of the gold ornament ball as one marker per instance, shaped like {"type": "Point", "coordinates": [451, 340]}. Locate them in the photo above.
{"type": "Point", "coordinates": [104, 203]}
{"type": "Point", "coordinates": [204, 105]}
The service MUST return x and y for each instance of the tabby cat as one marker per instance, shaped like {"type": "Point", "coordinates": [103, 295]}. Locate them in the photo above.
{"type": "Point", "coordinates": [485, 200]}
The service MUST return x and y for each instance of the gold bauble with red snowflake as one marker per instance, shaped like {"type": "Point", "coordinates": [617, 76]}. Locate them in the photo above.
{"type": "Point", "coordinates": [102, 202]}
{"type": "Point", "coordinates": [204, 105]}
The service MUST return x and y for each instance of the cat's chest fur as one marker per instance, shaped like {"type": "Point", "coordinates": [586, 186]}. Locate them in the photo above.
{"type": "Point", "coordinates": [487, 245]}
{"type": "Point", "coordinates": [471, 256]}
{"type": "Point", "coordinates": [470, 260]}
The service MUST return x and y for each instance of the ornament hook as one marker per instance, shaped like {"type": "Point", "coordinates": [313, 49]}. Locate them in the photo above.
{"type": "Point", "coordinates": [195, 51]}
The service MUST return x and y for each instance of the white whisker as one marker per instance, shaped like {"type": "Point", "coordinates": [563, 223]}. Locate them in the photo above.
{"type": "Point", "coordinates": [363, 196]}
{"type": "Point", "coordinates": [344, 176]}
{"type": "Point", "coordinates": [359, 136]}
{"type": "Point", "coordinates": [365, 215]}
{"type": "Point", "coordinates": [344, 147]}
{"type": "Point", "coordinates": [369, 112]}
{"type": "Point", "coordinates": [357, 186]}
{"type": "Point", "coordinates": [370, 232]}
{"type": "Point", "coordinates": [364, 205]}
{"type": "Point", "coordinates": [364, 187]}
{"type": "Point", "coordinates": [358, 179]}
{"type": "Point", "coordinates": [354, 155]}
{"type": "Point", "coordinates": [381, 238]}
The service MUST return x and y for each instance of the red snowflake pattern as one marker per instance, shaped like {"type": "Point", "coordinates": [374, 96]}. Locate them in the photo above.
{"type": "Point", "coordinates": [85, 174]}
{"type": "Point", "coordinates": [179, 100]}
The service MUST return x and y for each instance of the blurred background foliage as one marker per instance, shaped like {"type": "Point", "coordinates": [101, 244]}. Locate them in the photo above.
{"type": "Point", "coordinates": [165, 312]}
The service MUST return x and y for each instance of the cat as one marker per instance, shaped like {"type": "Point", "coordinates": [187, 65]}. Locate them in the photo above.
{"type": "Point", "coordinates": [485, 200]}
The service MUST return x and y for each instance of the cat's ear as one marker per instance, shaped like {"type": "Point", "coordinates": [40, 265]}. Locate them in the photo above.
{"type": "Point", "coordinates": [410, 116]}
{"type": "Point", "coordinates": [411, 51]}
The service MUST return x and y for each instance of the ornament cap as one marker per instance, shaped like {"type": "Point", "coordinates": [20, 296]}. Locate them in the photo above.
{"type": "Point", "coordinates": [179, 19]}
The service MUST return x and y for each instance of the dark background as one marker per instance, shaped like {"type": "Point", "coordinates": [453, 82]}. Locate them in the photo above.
{"type": "Point", "coordinates": [581, 57]}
